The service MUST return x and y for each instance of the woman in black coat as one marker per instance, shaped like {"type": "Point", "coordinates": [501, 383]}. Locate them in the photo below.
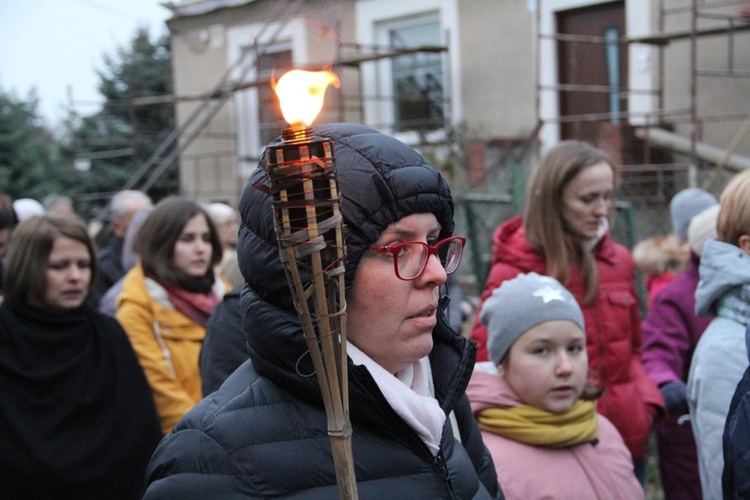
{"type": "Point", "coordinates": [76, 415]}
{"type": "Point", "coordinates": [264, 434]}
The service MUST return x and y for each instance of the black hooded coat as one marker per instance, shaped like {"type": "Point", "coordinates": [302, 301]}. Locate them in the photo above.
{"type": "Point", "coordinates": [264, 433]}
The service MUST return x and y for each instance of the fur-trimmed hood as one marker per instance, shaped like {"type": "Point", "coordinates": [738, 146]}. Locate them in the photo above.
{"type": "Point", "coordinates": [661, 254]}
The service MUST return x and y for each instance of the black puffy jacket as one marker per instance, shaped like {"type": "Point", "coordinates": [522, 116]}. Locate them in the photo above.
{"type": "Point", "coordinates": [264, 433]}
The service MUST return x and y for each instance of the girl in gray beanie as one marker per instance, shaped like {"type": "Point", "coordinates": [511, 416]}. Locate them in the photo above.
{"type": "Point", "coordinates": [534, 402]}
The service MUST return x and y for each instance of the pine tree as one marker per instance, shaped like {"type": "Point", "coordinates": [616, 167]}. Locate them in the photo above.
{"type": "Point", "coordinates": [28, 151]}
{"type": "Point", "coordinates": [141, 69]}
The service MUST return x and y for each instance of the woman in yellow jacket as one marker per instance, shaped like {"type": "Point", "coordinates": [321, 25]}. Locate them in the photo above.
{"type": "Point", "coordinates": [167, 298]}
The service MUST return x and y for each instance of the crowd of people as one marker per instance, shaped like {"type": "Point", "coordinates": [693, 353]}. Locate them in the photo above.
{"type": "Point", "coordinates": [171, 363]}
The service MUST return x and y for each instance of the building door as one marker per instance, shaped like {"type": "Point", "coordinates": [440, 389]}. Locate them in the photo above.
{"type": "Point", "coordinates": [597, 69]}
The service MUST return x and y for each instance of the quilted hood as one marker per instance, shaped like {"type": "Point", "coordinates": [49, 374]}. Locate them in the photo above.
{"type": "Point", "coordinates": [381, 180]}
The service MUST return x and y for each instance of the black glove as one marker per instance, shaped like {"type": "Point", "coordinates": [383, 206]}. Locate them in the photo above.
{"type": "Point", "coordinates": [675, 397]}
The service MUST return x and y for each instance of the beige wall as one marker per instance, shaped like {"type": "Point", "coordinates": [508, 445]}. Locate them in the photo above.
{"type": "Point", "coordinates": [490, 71]}
{"type": "Point", "coordinates": [497, 67]}
{"type": "Point", "coordinates": [718, 97]}
{"type": "Point", "coordinates": [216, 165]}
{"type": "Point", "coordinates": [199, 59]}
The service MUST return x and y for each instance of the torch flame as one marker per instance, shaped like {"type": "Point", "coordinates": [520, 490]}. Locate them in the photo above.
{"type": "Point", "coordinates": [301, 94]}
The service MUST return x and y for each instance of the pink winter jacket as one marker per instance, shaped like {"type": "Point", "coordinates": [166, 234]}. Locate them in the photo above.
{"type": "Point", "coordinates": [586, 471]}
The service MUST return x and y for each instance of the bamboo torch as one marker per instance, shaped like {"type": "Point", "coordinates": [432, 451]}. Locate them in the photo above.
{"type": "Point", "coordinates": [309, 228]}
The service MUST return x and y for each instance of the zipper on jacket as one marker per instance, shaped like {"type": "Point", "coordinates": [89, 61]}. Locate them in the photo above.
{"type": "Point", "coordinates": [438, 461]}
{"type": "Point", "coordinates": [443, 467]}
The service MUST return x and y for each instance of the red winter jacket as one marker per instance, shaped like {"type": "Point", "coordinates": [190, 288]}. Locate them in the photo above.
{"type": "Point", "coordinates": [613, 331]}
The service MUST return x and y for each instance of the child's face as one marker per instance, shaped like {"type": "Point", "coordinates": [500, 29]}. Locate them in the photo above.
{"type": "Point", "coordinates": [547, 366]}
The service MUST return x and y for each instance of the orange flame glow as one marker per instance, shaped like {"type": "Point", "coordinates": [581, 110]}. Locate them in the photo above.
{"type": "Point", "coordinates": [301, 94]}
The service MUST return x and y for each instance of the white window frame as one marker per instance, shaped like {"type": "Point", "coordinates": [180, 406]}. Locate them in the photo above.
{"type": "Point", "coordinates": [245, 112]}
{"type": "Point", "coordinates": [383, 31]}
{"type": "Point", "coordinates": [374, 20]}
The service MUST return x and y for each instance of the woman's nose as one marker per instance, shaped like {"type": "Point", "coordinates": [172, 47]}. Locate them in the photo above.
{"type": "Point", "coordinates": [434, 272]}
{"type": "Point", "coordinates": [203, 246]}
{"type": "Point", "coordinates": [602, 208]}
{"type": "Point", "coordinates": [75, 273]}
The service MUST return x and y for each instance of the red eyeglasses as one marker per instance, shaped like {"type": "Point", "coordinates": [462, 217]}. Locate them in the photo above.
{"type": "Point", "coordinates": [410, 258]}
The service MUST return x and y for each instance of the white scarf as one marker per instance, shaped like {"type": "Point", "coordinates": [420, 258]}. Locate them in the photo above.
{"type": "Point", "coordinates": [410, 393]}
{"type": "Point", "coordinates": [603, 228]}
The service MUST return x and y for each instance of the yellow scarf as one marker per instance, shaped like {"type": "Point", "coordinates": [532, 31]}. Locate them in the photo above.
{"type": "Point", "coordinates": [530, 425]}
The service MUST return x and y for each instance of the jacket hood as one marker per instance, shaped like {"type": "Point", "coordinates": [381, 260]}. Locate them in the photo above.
{"type": "Point", "coordinates": [722, 267]}
{"type": "Point", "coordinates": [381, 180]}
{"type": "Point", "coordinates": [509, 245]}
{"type": "Point", "coordinates": [661, 254]}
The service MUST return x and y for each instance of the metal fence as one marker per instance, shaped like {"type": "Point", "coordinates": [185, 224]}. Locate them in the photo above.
{"type": "Point", "coordinates": [642, 210]}
{"type": "Point", "coordinates": [483, 213]}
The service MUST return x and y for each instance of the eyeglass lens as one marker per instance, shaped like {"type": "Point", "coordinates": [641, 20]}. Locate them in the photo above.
{"type": "Point", "coordinates": [412, 257]}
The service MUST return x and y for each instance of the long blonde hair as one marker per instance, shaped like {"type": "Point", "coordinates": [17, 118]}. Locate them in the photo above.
{"type": "Point", "coordinates": [542, 216]}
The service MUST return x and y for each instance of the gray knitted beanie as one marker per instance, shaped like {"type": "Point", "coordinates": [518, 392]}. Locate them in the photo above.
{"type": "Point", "coordinates": [687, 204]}
{"type": "Point", "coordinates": [522, 303]}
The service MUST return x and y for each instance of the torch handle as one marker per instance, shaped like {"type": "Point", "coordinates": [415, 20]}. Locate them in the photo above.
{"type": "Point", "coordinates": [342, 447]}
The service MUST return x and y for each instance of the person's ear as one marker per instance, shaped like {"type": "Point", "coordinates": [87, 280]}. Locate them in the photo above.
{"type": "Point", "coordinates": [744, 243]}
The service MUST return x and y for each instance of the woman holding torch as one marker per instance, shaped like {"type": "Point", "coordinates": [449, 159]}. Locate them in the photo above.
{"type": "Point", "coordinates": [264, 432]}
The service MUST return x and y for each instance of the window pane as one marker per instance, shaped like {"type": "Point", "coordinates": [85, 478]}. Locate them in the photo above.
{"type": "Point", "coordinates": [269, 112]}
{"type": "Point", "coordinates": [417, 79]}
{"type": "Point", "coordinates": [613, 71]}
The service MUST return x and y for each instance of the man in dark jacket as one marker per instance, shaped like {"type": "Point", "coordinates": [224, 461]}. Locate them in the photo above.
{"type": "Point", "coordinates": [8, 222]}
{"type": "Point", "coordinates": [123, 206]}
{"type": "Point", "coordinates": [264, 432]}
